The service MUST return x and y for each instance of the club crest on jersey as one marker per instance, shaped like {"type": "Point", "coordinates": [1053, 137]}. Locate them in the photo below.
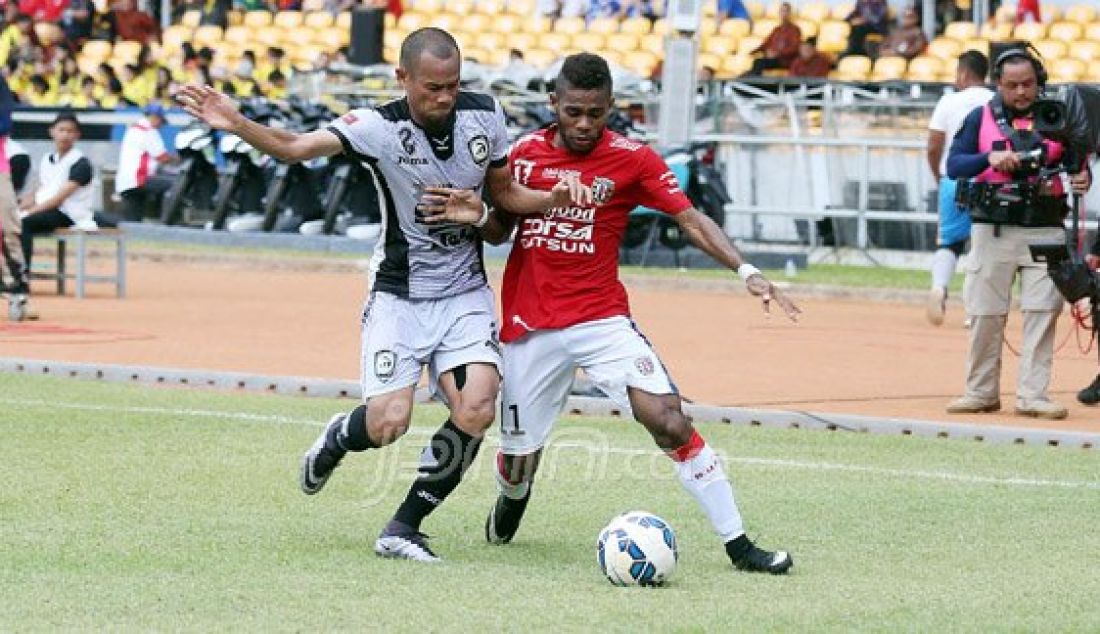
{"type": "Point", "coordinates": [644, 365]}
{"type": "Point", "coordinates": [602, 189]}
{"type": "Point", "coordinates": [479, 149]}
{"type": "Point", "coordinates": [385, 361]}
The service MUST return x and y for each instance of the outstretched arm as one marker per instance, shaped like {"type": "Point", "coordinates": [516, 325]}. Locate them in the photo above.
{"type": "Point", "coordinates": [517, 199]}
{"type": "Point", "coordinates": [705, 234]}
{"type": "Point", "coordinates": [219, 111]}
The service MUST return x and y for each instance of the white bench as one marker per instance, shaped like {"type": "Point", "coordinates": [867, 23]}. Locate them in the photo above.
{"type": "Point", "coordinates": [61, 273]}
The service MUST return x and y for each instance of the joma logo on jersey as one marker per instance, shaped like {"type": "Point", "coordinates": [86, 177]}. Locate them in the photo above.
{"type": "Point", "coordinates": [602, 190]}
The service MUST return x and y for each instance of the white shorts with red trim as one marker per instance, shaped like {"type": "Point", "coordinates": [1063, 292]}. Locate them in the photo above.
{"type": "Point", "coordinates": [539, 369]}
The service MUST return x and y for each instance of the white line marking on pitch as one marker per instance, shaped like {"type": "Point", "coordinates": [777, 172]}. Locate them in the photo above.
{"type": "Point", "coordinates": [764, 462]}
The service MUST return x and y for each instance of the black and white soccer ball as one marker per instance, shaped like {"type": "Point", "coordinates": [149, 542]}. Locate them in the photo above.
{"type": "Point", "coordinates": [637, 549]}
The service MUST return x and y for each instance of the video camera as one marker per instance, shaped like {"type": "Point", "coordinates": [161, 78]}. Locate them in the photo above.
{"type": "Point", "coordinates": [1051, 115]}
{"type": "Point", "coordinates": [1071, 276]}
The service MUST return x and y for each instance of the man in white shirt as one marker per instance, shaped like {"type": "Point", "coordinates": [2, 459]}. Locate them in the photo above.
{"type": "Point", "coordinates": [141, 154]}
{"type": "Point", "coordinates": [954, 228]}
{"type": "Point", "coordinates": [62, 197]}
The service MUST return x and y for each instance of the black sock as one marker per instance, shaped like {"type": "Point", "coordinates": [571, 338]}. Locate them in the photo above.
{"type": "Point", "coordinates": [352, 435]}
{"type": "Point", "coordinates": [738, 547]}
{"type": "Point", "coordinates": [445, 459]}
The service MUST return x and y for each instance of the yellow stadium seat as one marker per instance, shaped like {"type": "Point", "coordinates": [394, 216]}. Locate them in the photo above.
{"type": "Point", "coordinates": [495, 7]}
{"type": "Point", "coordinates": [996, 31]}
{"type": "Point", "coordinates": [257, 19]}
{"type": "Point", "coordinates": [841, 11]}
{"type": "Point", "coordinates": [537, 24]}
{"type": "Point", "coordinates": [588, 41]}
{"type": "Point", "coordinates": [660, 26]}
{"type": "Point", "coordinates": [540, 57]}
{"type": "Point", "coordinates": [944, 48]}
{"type": "Point", "coordinates": [638, 26]}
{"type": "Point", "coordinates": [808, 28]}
{"type": "Point", "coordinates": [1006, 14]}
{"type": "Point", "coordinates": [234, 17]}
{"type": "Point", "coordinates": [237, 35]}
{"type": "Point", "coordinates": [1066, 31]}
{"type": "Point", "coordinates": [1067, 70]}
{"type": "Point", "coordinates": [950, 67]}
{"type": "Point", "coordinates": [174, 36]}
{"type": "Point", "coordinates": [1080, 13]}
{"type": "Point", "coordinates": [569, 26]}
{"type": "Point", "coordinates": [756, 9]}
{"type": "Point", "coordinates": [313, 5]}
{"type": "Point", "coordinates": [191, 18]}
{"type": "Point", "coordinates": [489, 41]}
{"type": "Point", "coordinates": [48, 33]}
{"type": "Point", "coordinates": [613, 57]}
{"type": "Point", "coordinates": [604, 25]}
{"type": "Point", "coordinates": [288, 19]}
{"type": "Point", "coordinates": [391, 39]}
{"type": "Point", "coordinates": [720, 45]}
{"type": "Point", "coordinates": [522, 41]}
{"type": "Point", "coordinates": [127, 50]}
{"type": "Point", "coordinates": [709, 60]}
{"type": "Point", "coordinates": [319, 20]}
{"type": "Point", "coordinates": [622, 42]}
{"type": "Point", "coordinates": [814, 11]}
{"type": "Point", "coordinates": [343, 19]}
{"type": "Point", "coordinates": [961, 31]}
{"type": "Point", "coordinates": [889, 68]}
{"type": "Point", "coordinates": [748, 44]}
{"type": "Point", "coordinates": [708, 26]}
{"type": "Point", "coordinates": [1092, 32]}
{"type": "Point", "coordinates": [1030, 31]}
{"type": "Point", "coordinates": [525, 8]}
{"type": "Point", "coordinates": [977, 44]}
{"type": "Point", "coordinates": [429, 6]}
{"type": "Point", "coordinates": [834, 29]}
{"type": "Point", "coordinates": [1050, 49]}
{"type": "Point", "coordinates": [852, 68]}
{"type": "Point", "coordinates": [207, 35]}
{"type": "Point", "coordinates": [473, 53]}
{"type": "Point", "coordinates": [653, 43]}
{"type": "Point", "coordinates": [556, 42]}
{"type": "Point", "coordinates": [444, 21]}
{"type": "Point", "coordinates": [299, 37]}
{"type": "Point", "coordinates": [764, 26]}
{"type": "Point", "coordinates": [735, 27]}
{"type": "Point", "coordinates": [304, 56]}
{"type": "Point", "coordinates": [1051, 13]}
{"type": "Point", "coordinates": [269, 36]}
{"type": "Point", "coordinates": [411, 21]}
{"type": "Point", "coordinates": [98, 50]}
{"type": "Point", "coordinates": [505, 23]}
{"type": "Point", "coordinates": [477, 22]}
{"type": "Point", "coordinates": [1092, 73]}
{"type": "Point", "coordinates": [459, 7]}
{"type": "Point", "coordinates": [924, 68]}
{"type": "Point", "coordinates": [1085, 50]}
{"type": "Point", "coordinates": [640, 62]}
{"type": "Point", "coordinates": [736, 65]}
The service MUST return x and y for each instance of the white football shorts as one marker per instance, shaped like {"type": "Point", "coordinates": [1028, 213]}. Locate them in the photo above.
{"type": "Point", "coordinates": [539, 369]}
{"type": "Point", "coordinates": [400, 336]}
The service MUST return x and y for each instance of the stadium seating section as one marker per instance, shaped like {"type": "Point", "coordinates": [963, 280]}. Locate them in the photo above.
{"type": "Point", "coordinates": [1069, 40]}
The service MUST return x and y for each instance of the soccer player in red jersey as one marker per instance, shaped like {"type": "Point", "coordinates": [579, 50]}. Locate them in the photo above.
{"type": "Point", "coordinates": [564, 306]}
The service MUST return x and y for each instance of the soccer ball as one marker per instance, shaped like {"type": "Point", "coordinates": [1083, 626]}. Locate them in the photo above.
{"type": "Point", "coordinates": [637, 548]}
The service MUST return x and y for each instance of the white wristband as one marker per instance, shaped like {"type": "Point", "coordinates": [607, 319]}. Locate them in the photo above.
{"type": "Point", "coordinates": [747, 270]}
{"type": "Point", "coordinates": [484, 215]}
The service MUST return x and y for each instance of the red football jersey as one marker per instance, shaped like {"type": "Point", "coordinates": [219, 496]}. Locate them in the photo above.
{"type": "Point", "coordinates": [564, 265]}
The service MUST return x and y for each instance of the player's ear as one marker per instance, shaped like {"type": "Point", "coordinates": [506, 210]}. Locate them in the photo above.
{"type": "Point", "coordinates": [554, 102]}
{"type": "Point", "coordinates": [401, 74]}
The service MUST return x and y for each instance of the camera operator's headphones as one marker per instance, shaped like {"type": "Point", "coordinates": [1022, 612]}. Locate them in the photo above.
{"type": "Point", "coordinates": [1021, 52]}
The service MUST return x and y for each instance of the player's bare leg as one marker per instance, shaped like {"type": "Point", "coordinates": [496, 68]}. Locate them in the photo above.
{"type": "Point", "coordinates": [377, 423]}
{"type": "Point", "coordinates": [515, 476]}
{"type": "Point", "coordinates": [471, 392]}
{"type": "Point", "coordinates": [702, 475]}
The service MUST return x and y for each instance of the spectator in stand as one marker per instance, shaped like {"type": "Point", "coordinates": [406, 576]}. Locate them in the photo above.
{"type": "Point", "coordinates": [518, 71]}
{"type": "Point", "coordinates": [639, 9]}
{"type": "Point", "coordinates": [85, 98]}
{"type": "Point", "coordinates": [907, 39]}
{"type": "Point", "coordinates": [276, 85]}
{"type": "Point", "coordinates": [781, 46]}
{"type": "Point", "coordinates": [76, 22]}
{"type": "Point", "coordinates": [14, 36]}
{"type": "Point", "coordinates": [243, 84]}
{"type": "Point", "coordinates": [275, 59]}
{"type": "Point", "coordinates": [254, 5]}
{"type": "Point", "coordinates": [548, 8]}
{"type": "Point", "coordinates": [39, 94]}
{"type": "Point", "coordinates": [104, 26]}
{"type": "Point", "coordinates": [115, 97]}
{"type": "Point", "coordinates": [603, 9]}
{"type": "Point", "coordinates": [142, 151]}
{"type": "Point", "coordinates": [43, 10]}
{"type": "Point", "coordinates": [810, 61]}
{"type": "Point", "coordinates": [733, 9]}
{"type": "Point", "coordinates": [133, 24]}
{"type": "Point", "coordinates": [63, 195]}
{"type": "Point", "coordinates": [214, 12]}
{"type": "Point", "coordinates": [867, 18]}
{"type": "Point", "coordinates": [573, 8]}
{"type": "Point", "coordinates": [1028, 9]}
{"type": "Point", "coordinates": [166, 87]}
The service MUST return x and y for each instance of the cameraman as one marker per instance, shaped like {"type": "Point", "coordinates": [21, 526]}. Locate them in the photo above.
{"type": "Point", "coordinates": [1012, 204]}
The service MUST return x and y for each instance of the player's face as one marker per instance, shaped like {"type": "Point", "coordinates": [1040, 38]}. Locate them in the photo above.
{"type": "Point", "coordinates": [431, 85]}
{"type": "Point", "coordinates": [64, 135]}
{"type": "Point", "coordinates": [582, 117]}
{"type": "Point", "coordinates": [1018, 84]}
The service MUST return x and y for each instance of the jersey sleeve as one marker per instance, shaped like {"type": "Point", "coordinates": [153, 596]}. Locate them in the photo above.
{"type": "Point", "coordinates": [498, 138]}
{"type": "Point", "coordinates": [360, 131]}
{"type": "Point", "coordinates": [660, 189]}
{"type": "Point", "coordinates": [81, 172]}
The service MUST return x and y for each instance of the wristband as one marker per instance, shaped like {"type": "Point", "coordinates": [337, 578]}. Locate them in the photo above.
{"type": "Point", "coordinates": [484, 215]}
{"type": "Point", "coordinates": [747, 270]}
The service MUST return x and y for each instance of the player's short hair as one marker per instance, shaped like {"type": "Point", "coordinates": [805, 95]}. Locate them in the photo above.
{"type": "Point", "coordinates": [435, 41]}
{"type": "Point", "coordinates": [66, 115]}
{"type": "Point", "coordinates": [975, 63]}
{"type": "Point", "coordinates": [585, 71]}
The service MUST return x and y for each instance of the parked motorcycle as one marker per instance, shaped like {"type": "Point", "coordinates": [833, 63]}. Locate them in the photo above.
{"type": "Point", "coordinates": [294, 191]}
{"type": "Point", "coordinates": [190, 198]}
{"type": "Point", "coordinates": [242, 183]}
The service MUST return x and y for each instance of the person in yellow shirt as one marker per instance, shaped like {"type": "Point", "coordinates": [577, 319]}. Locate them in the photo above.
{"type": "Point", "coordinates": [40, 93]}
{"type": "Point", "coordinates": [85, 98]}
{"type": "Point", "coordinates": [13, 36]}
{"type": "Point", "coordinates": [276, 85]}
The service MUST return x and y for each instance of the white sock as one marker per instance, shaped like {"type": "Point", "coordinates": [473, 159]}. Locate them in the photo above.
{"type": "Point", "coordinates": [702, 475]}
{"type": "Point", "coordinates": [514, 491]}
{"type": "Point", "coordinates": [943, 267]}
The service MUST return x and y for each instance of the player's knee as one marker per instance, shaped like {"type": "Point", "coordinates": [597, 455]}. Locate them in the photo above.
{"type": "Point", "coordinates": [392, 422]}
{"type": "Point", "coordinates": [669, 426]}
{"type": "Point", "coordinates": [474, 415]}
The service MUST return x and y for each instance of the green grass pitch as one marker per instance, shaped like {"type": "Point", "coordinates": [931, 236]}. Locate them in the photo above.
{"type": "Point", "coordinates": [129, 508]}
